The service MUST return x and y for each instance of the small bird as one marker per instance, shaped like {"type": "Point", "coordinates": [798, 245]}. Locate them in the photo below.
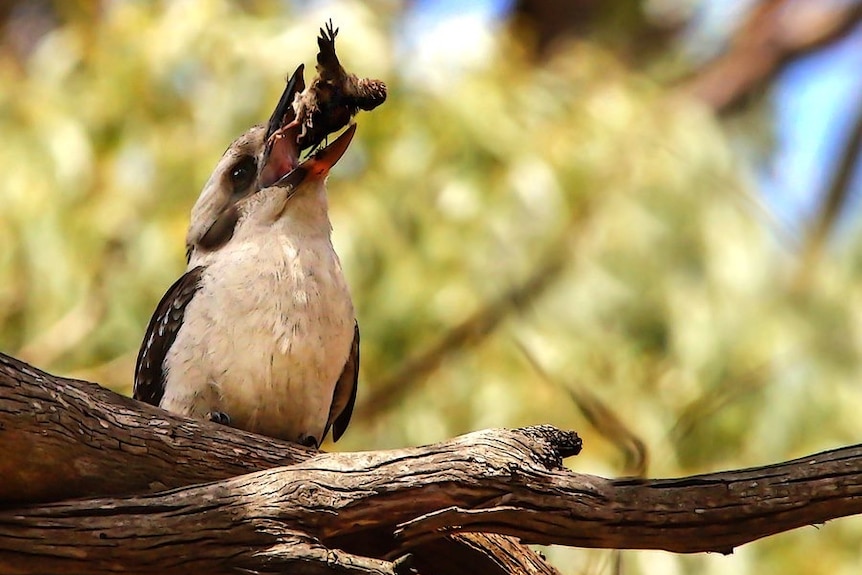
{"type": "Point", "coordinates": [335, 95]}
{"type": "Point", "coordinates": [260, 331]}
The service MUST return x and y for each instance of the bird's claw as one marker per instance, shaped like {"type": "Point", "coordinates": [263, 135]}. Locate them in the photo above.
{"type": "Point", "coordinates": [309, 441]}
{"type": "Point", "coordinates": [219, 417]}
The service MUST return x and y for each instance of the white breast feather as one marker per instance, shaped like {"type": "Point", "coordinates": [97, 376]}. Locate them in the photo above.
{"type": "Point", "coordinates": [266, 337]}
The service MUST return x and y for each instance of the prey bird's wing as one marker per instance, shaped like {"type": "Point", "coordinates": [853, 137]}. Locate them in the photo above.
{"type": "Point", "coordinates": [161, 333]}
{"type": "Point", "coordinates": [328, 66]}
{"type": "Point", "coordinates": [345, 391]}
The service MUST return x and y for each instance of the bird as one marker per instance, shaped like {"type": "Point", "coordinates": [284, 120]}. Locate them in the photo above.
{"type": "Point", "coordinates": [260, 332]}
{"type": "Point", "coordinates": [335, 95]}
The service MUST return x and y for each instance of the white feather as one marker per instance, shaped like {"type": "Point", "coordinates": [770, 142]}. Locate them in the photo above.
{"type": "Point", "coordinates": [267, 335]}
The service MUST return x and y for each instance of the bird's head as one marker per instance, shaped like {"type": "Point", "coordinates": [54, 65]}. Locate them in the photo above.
{"type": "Point", "coordinates": [257, 176]}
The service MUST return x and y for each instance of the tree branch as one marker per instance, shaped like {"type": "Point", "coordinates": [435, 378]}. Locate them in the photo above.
{"type": "Point", "coordinates": [834, 200]}
{"type": "Point", "coordinates": [247, 521]}
{"type": "Point", "coordinates": [313, 515]}
{"type": "Point", "coordinates": [64, 438]}
{"type": "Point", "coordinates": [775, 33]}
{"type": "Point", "coordinates": [712, 512]}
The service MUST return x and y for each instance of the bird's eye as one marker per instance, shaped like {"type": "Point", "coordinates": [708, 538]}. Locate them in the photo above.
{"type": "Point", "coordinates": [242, 174]}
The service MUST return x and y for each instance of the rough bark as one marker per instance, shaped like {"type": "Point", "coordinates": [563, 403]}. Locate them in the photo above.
{"type": "Point", "coordinates": [63, 438]}
{"type": "Point", "coordinates": [356, 512]}
{"type": "Point", "coordinates": [238, 522]}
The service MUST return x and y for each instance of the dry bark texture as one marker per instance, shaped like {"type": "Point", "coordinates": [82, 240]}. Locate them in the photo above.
{"type": "Point", "coordinates": [63, 438]}
{"type": "Point", "coordinates": [271, 507]}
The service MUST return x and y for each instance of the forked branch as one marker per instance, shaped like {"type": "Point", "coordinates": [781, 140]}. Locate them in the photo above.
{"type": "Point", "coordinates": [357, 512]}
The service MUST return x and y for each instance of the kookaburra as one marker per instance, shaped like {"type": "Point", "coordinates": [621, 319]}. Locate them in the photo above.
{"type": "Point", "coordinates": [260, 332]}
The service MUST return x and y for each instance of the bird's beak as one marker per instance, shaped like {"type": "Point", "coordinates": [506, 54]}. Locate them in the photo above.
{"type": "Point", "coordinates": [319, 164]}
{"type": "Point", "coordinates": [281, 154]}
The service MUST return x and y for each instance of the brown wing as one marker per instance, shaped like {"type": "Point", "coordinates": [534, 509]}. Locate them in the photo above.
{"type": "Point", "coordinates": [328, 67]}
{"type": "Point", "coordinates": [345, 391]}
{"type": "Point", "coordinates": [161, 333]}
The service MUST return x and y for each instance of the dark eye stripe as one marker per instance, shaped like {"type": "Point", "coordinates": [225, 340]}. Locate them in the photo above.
{"type": "Point", "coordinates": [221, 230]}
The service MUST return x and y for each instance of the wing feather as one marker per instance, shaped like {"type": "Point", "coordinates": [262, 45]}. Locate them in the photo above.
{"type": "Point", "coordinates": [161, 333]}
{"type": "Point", "coordinates": [345, 391]}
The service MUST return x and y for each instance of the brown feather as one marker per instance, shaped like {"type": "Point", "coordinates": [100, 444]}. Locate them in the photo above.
{"type": "Point", "coordinates": [345, 391]}
{"type": "Point", "coordinates": [161, 333]}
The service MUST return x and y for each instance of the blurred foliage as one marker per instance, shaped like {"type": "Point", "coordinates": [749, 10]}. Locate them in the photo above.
{"type": "Point", "coordinates": [675, 307]}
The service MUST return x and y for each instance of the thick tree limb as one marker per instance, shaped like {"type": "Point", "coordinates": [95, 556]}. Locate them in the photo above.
{"type": "Point", "coordinates": [713, 512]}
{"type": "Point", "coordinates": [64, 438]}
{"type": "Point", "coordinates": [234, 523]}
{"type": "Point", "coordinates": [312, 515]}
{"type": "Point", "coordinates": [499, 480]}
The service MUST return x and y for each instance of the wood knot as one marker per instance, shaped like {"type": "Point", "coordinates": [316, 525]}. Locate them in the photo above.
{"type": "Point", "coordinates": [557, 444]}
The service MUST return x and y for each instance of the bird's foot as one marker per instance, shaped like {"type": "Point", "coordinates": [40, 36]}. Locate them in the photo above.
{"type": "Point", "coordinates": [219, 417]}
{"type": "Point", "coordinates": [299, 119]}
{"type": "Point", "coordinates": [308, 441]}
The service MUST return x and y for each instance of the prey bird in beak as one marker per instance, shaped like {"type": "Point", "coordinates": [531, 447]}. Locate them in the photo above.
{"type": "Point", "coordinates": [260, 332]}
{"type": "Point", "coordinates": [335, 95]}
